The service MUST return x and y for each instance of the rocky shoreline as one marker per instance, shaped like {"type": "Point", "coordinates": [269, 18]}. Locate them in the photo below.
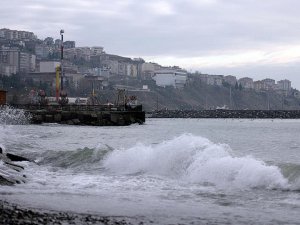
{"type": "Point", "coordinates": [11, 214]}
{"type": "Point", "coordinates": [223, 113]}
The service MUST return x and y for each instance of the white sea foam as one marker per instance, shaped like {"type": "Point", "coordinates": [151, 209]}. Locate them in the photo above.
{"type": "Point", "coordinates": [10, 115]}
{"type": "Point", "coordinates": [197, 160]}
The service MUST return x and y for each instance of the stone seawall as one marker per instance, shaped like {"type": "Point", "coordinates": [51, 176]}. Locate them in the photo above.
{"type": "Point", "coordinates": [251, 114]}
{"type": "Point", "coordinates": [93, 118]}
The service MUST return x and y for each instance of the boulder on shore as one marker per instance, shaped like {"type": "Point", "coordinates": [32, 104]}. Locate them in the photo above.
{"type": "Point", "coordinates": [10, 172]}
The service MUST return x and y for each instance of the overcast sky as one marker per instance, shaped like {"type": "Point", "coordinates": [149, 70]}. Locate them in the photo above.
{"type": "Point", "coordinates": [254, 38]}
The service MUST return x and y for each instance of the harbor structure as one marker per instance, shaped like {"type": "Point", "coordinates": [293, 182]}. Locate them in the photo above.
{"type": "Point", "coordinates": [2, 97]}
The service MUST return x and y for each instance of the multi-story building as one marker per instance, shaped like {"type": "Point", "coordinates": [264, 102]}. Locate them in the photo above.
{"type": "Point", "coordinates": [27, 62]}
{"type": "Point", "coordinates": [132, 70]}
{"type": "Point", "coordinates": [268, 84]}
{"type": "Point", "coordinates": [246, 82]}
{"type": "Point", "coordinates": [16, 35]}
{"type": "Point", "coordinates": [203, 78]}
{"type": "Point", "coordinates": [79, 53]}
{"type": "Point", "coordinates": [42, 51]}
{"type": "Point", "coordinates": [139, 62]}
{"type": "Point", "coordinates": [216, 80]}
{"type": "Point", "coordinates": [284, 85]}
{"type": "Point", "coordinates": [148, 69]}
{"type": "Point", "coordinates": [2, 34]}
{"type": "Point", "coordinates": [69, 44]}
{"type": "Point", "coordinates": [117, 65]}
{"type": "Point", "coordinates": [9, 62]}
{"type": "Point", "coordinates": [231, 80]}
{"type": "Point", "coordinates": [258, 85]}
{"type": "Point", "coordinates": [43, 78]}
{"type": "Point", "coordinates": [84, 53]}
{"type": "Point", "coordinates": [74, 79]}
{"type": "Point", "coordinates": [49, 41]}
{"type": "Point", "coordinates": [57, 43]}
{"type": "Point", "coordinates": [170, 77]}
{"type": "Point", "coordinates": [96, 50]}
{"type": "Point", "coordinates": [13, 61]}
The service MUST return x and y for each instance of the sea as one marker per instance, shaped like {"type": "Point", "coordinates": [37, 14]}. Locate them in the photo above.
{"type": "Point", "coordinates": [166, 171]}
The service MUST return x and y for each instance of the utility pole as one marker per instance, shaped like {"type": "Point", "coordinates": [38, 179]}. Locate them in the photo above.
{"type": "Point", "coordinates": [230, 103]}
{"type": "Point", "coordinates": [62, 60]}
{"type": "Point", "coordinates": [268, 100]}
{"type": "Point", "coordinates": [63, 94]}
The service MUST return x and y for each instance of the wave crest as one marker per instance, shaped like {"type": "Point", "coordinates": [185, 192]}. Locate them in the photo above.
{"type": "Point", "coordinates": [197, 160]}
{"type": "Point", "coordinates": [76, 158]}
{"type": "Point", "coordinates": [12, 116]}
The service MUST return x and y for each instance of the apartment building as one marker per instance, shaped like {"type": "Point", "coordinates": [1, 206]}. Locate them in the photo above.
{"type": "Point", "coordinates": [132, 70]}
{"type": "Point", "coordinates": [16, 35]}
{"type": "Point", "coordinates": [69, 44]}
{"type": "Point", "coordinates": [27, 62]}
{"type": "Point", "coordinates": [79, 53]}
{"type": "Point", "coordinates": [97, 50]}
{"type": "Point", "coordinates": [268, 84]}
{"type": "Point", "coordinates": [216, 80]}
{"type": "Point", "coordinates": [13, 61]}
{"type": "Point", "coordinates": [231, 80]}
{"type": "Point", "coordinates": [9, 62]}
{"type": "Point", "coordinates": [246, 82]}
{"type": "Point", "coordinates": [42, 51]}
{"type": "Point", "coordinates": [284, 85]}
{"type": "Point", "coordinates": [148, 69]}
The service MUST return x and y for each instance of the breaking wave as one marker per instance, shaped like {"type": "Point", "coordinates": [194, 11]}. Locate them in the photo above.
{"type": "Point", "coordinates": [198, 160]}
{"type": "Point", "coordinates": [74, 159]}
{"type": "Point", "coordinates": [13, 116]}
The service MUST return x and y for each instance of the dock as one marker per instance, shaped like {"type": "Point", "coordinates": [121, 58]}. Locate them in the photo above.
{"type": "Point", "coordinates": [93, 115]}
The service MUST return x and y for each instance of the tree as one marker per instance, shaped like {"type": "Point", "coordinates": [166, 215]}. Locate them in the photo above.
{"type": "Point", "coordinates": [240, 87]}
{"type": "Point", "coordinates": [236, 86]}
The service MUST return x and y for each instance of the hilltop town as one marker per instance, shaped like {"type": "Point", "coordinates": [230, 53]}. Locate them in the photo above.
{"type": "Point", "coordinates": [28, 63]}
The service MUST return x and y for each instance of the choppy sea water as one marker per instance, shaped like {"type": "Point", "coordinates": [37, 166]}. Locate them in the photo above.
{"type": "Point", "coordinates": [168, 171]}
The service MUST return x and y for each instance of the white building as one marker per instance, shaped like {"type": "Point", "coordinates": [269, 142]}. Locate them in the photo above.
{"type": "Point", "coordinates": [164, 78]}
{"type": "Point", "coordinates": [96, 50]}
{"type": "Point", "coordinates": [48, 66]}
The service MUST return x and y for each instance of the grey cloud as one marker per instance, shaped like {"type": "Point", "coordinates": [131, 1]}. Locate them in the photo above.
{"type": "Point", "coordinates": [185, 28]}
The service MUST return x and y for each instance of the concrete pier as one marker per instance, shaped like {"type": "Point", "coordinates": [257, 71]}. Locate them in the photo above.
{"type": "Point", "coordinates": [85, 115]}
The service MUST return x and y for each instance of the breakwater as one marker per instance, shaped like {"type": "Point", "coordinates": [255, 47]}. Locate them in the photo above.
{"type": "Point", "coordinates": [94, 115]}
{"type": "Point", "coordinates": [218, 113]}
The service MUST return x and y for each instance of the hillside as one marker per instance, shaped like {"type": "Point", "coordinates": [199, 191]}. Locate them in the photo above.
{"type": "Point", "coordinates": [210, 97]}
